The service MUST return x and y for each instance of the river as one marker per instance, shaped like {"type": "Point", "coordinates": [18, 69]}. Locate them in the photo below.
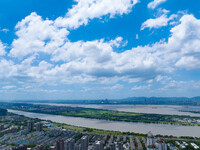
{"type": "Point", "coordinates": [144, 128]}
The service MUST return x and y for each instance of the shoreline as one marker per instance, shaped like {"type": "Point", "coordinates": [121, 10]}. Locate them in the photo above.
{"type": "Point", "coordinates": [127, 130]}
{"type": "Point", "coordinates": [158, 123]}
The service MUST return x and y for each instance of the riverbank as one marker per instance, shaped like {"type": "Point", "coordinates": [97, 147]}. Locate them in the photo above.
{"type": "Point", "coordinates": [112, 115]}
{"type": "Point", "coordinates": [97, 131]}
{"type": "Point", "coordinates": [52, 134]}
{"type": "Point", "coordinates": [117, 126]}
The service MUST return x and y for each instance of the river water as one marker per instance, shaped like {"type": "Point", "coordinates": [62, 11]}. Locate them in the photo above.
{"type": "Point", "coordinates": [144, 128]}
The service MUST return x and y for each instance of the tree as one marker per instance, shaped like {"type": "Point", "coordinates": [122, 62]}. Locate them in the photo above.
{"type": "Point", "coordinates": [3, 112]}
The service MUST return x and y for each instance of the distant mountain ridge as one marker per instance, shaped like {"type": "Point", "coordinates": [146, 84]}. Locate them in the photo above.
{"type": "Point", "coordinates": [162, 98]}
{"type": "Point", "coordinates": [129, 100]}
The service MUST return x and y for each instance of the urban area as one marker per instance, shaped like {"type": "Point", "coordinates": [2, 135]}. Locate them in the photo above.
{"type": "Point", "coordinates": [21, 133]}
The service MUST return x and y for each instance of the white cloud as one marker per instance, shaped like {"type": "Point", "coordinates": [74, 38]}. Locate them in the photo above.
{"type": "Point", "coordinates": [37, 35]}
{"type": "Point", "coordinates": [155, 3]}
{"type": "Point", "coordinates": [85, 10]}
{"type": "Point", "coordinates": [96, 61]}
{"type": "Point", "coordinates": [48, 57]}
{"type": "Point", "coordinates": [5, 30]}
{"type": "Point", "coordinates": [2, 49]}
{"type": "Point", "coordinates": [115, 87]}
{"type": "Point", "coordinates": [159, 22]}
{"type": "Point", "coordinates": [188, 62]}
{"type": "Point", "coordinates": [142, 87]}
{"type": "Point", "coordinates": [7, 69]}
{"type": "Point", "coordinates": [137, 36]}
{"type": "Point", "coordinates": [185, 42]}
{"type": "Point", "coordinates": [8, 87]}
{"type": "Point", "coordinates": [182, 85]}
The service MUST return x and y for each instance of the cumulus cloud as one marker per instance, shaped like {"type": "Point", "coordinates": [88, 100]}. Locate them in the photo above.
{"type": "Point", "coordinates": [185, 42]}
{"type": "Point", "coordinates": [85, 10]}
{"type": "Point", "coordinates": [42, 53]}
{"type": "Point", "coordinates": [36, 35]}
{"type": "Point", "coordinates": [155, 3]}
{"type": "Point", "coordinates": [158, 22]}
{"type": "Point", "coordinates": [188, 62]}
{"type": "Point", "coordinates": [7, 68]}
{"type": "Point", "coordinates": [2, 49]}
{"type": "Point", "coordinates": [92, 61]}
{"type": "Point", "coordinates": [97, 61]}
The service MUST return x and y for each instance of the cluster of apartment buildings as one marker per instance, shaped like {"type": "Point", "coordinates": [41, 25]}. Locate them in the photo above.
{"type": "Point", "coordinates": [70, 144]}
{"type": "Point", "coordinates": [154, 143]}
{"type": "Point", "coordinates": [4, 130]}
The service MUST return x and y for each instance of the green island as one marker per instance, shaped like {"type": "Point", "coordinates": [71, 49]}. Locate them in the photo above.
{"type": "Point", "coordinates": [104, 114]}
{"type": "Point", "coordinates": [196, 112]}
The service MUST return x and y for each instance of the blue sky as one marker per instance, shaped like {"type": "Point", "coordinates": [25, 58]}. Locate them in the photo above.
{"type": "Point", "coordinates": [97, 49]}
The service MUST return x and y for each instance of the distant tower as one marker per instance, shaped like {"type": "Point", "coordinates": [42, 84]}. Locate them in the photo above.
{"type": "Point", "coordinates": [60, 145]}
{"type": "Point", "coordinates": [30, 125]}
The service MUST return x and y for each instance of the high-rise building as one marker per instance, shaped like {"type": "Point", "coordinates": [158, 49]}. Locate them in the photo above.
{"type": "Point", "coordinates": [1, 127]}
{"type": "Point", "coordinates": [112, 146]}
{"type": "Point", "coordinates": [98, 145]}
{"type": "Point", "coordinates": [30, 125]}
{"type": "Point", "coordinates": [60, 145]}
{"type": "Point", "coordinates": [161, 146]}
{"type": "Point", "coordinates": [120, 145]}
{"type": "Point", "coordinates": [39, 126]}
{"type": "Point", "coordinates": [84, 143]}
{"type": "Point", "coordinates": [70, 144]}
{"type": "Point", "coordinates": [77, 147]}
